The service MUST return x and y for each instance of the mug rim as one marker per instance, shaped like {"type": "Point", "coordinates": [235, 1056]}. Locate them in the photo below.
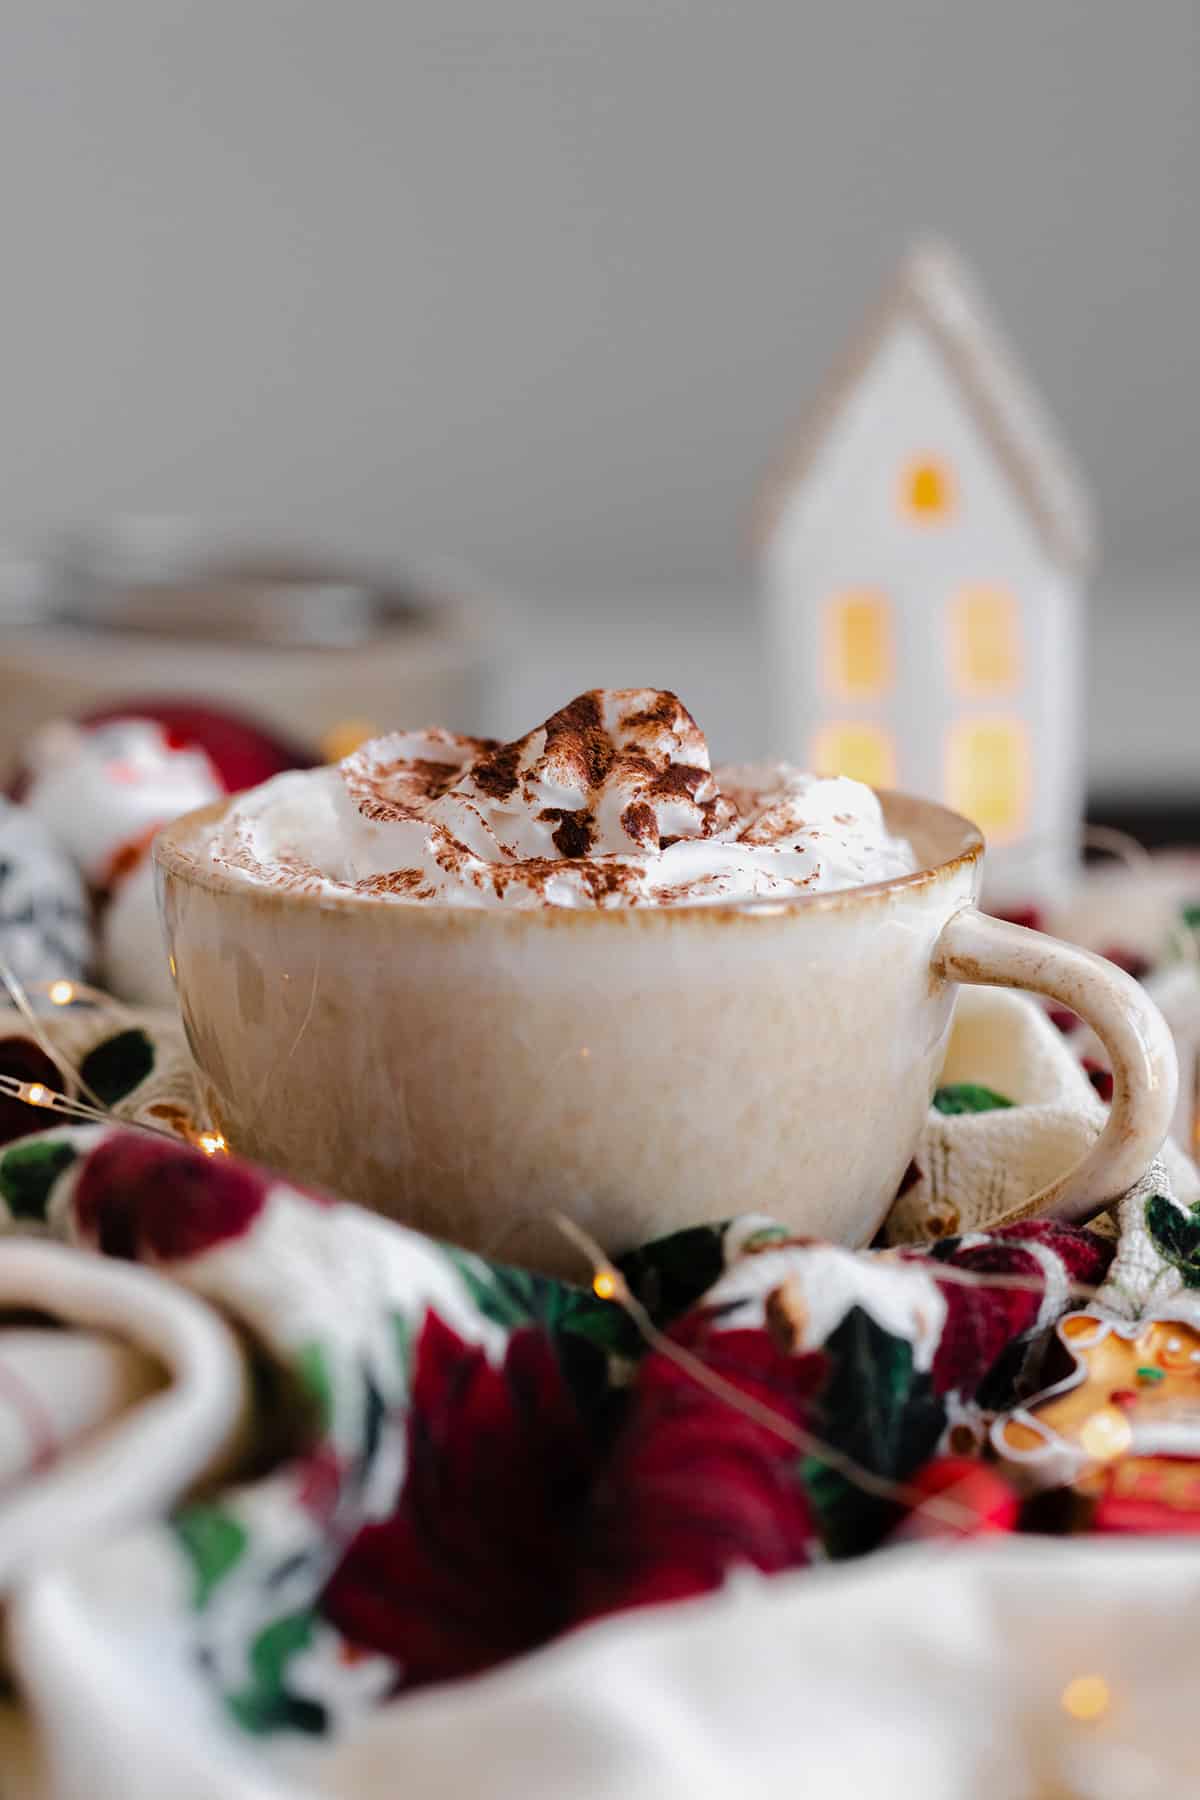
{"type": "Point", "coordinates": [174, 859]}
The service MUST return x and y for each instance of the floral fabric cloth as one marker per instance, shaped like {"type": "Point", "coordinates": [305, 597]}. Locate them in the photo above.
{"type": "Point", "coordinates": [450, 1462]}
{"type": "Point", "coordinates": [472, 1459]}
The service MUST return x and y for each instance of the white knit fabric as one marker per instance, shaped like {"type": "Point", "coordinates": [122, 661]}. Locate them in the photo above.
{"type": "Point", "coordinates": [975, 1166]}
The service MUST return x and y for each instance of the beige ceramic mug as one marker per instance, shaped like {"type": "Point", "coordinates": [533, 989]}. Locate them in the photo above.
{"type": "Point", "coordinates": [639, 1069]}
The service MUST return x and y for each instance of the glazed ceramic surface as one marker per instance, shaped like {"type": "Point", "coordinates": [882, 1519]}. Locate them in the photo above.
{"type": "Point", "coordinates": [639, 1069]}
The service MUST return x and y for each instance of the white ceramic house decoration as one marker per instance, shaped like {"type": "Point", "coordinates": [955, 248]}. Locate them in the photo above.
{"type": "Point", "coordinates": [924, 549]}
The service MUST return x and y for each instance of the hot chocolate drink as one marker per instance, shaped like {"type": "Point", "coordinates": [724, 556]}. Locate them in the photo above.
{"type": "Point", "coordinates": [612, 802]}
{"type": "Point", "coordinates": [476, 985]}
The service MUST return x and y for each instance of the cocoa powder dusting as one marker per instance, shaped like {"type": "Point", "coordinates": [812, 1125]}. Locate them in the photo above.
{"type": "Point", "coordinates": [639, 823]}
{"type": "Point", "coordinates": [667, 710]}
{"type": "Point", "coordinates": [396, 881]}
{"type": "Point", "coordinates": [679, 781]}
{"type": "Point", "coordinates": [495, 774]}
{"type": "Point", "coordinates": [576, 738]}
{"type": "Point", "coordinates": [434, 778]}
{"type": "Point", "coordinates": [632, 752]}
{"type": "Point", "coordinates": [576, 830]}
{"type": "Point", "coordinates": [605, 879]}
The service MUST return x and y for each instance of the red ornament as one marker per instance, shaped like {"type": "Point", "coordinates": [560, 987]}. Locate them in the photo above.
{"type": "Point", "coordinates": [242, 751]}
{"type": "Point", "coordinates": [982, 1494]}
{"type": "Point", "coordinates": [1149, 1496]}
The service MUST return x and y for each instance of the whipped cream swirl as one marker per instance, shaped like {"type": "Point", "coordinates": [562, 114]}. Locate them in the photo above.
{"type": "Point", "coordinates": [612, 802]}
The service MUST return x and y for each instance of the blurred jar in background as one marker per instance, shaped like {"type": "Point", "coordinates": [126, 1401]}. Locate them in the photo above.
{"type": "Point", "coordinates": [321, 649]}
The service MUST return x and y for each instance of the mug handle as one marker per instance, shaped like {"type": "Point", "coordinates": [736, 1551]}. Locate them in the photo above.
{"type": "Point", "coordinates": [985, 952]}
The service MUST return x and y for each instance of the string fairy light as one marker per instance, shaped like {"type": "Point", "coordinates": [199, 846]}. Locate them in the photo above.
{"type": "Point", "coordinates": [37, 1094]}
{"type": "Point", "coordinates": [20, 999]}
{"type": "Point", "coordinates": [1086, 1698]}
{"type": "Point", "coordinates": [1105, 1436]}
{"type": "Point", "coordinates": [609, 1283]}
{"type": "Point", "coordinates": [92, 1110]}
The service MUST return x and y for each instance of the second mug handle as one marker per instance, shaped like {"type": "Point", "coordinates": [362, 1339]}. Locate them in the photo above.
{"type": "Point", "coordinates": [985, 952]}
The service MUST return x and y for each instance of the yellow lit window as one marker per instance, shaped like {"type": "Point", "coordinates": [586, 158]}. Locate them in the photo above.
{"type": "Point", "coordinates": [927, 490]}
{"type": "Point", "coordinates": [985, 640]}
{"type": "Point", "coordinates": [858, 644]}
{"type": "Point", "coordinates": [862, 751]}
{"type": "Point", "coordinates": [987, 775]}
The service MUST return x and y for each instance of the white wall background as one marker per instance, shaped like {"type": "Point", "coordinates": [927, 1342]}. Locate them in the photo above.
{"type": "Point", "coordinates": [541, 283]}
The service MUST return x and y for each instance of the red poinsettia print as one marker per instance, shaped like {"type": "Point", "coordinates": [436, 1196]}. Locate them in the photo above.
{"type": "Point", "coordinates": [147, 1200]}
{"type": "Point", "coordinates": [695, 1487]}
{"type": "Point", "coordinates": [981, 1322]}
{"type": "Point", "coordinates": [1084, 1256]}
{"type": "Point", "coordinates": [474, 1564]}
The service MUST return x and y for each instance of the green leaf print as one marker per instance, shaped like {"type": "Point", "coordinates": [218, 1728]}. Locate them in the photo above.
{"type": "Point", "coordinates": [312, 1366]}
{"type": "Point", "coordinates": [512, 1297]}
{"type": "Point", "coordinates": [118, 1065]}
{"type": "Point", "coordinates": [1175, 1234]}
{"type": "Point", "coordinates": [28, 1173]}
{"type": "Point", "coordinates": [214, 1542]}
{"type": "Point", "coordinates": [968, 1097]}
{"type": "Point", "coordinates": [672, 1273]}
{"type": "Point", "coordinates": [879, 1409]}
{"type": "Point", "coordinates": [265, 1704]}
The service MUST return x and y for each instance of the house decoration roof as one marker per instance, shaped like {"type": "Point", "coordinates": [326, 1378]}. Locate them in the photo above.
{"type": "Point", "coordinates": [933, 289]}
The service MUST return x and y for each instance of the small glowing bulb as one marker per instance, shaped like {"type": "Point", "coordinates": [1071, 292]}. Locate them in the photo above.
{"type": "Point", "coordinates": [604, 1284]}
{"type": "Point", "coordinates": [1106, 1435]}
{"type": "Point", "coordinates": [1086, 1698]}
{"type": "Point", "coordinates": [36, 1094]}
{"type": "Point", "coordinates": [212, 1143]}
{"type": "Point", "coordinates": [62, 992]}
